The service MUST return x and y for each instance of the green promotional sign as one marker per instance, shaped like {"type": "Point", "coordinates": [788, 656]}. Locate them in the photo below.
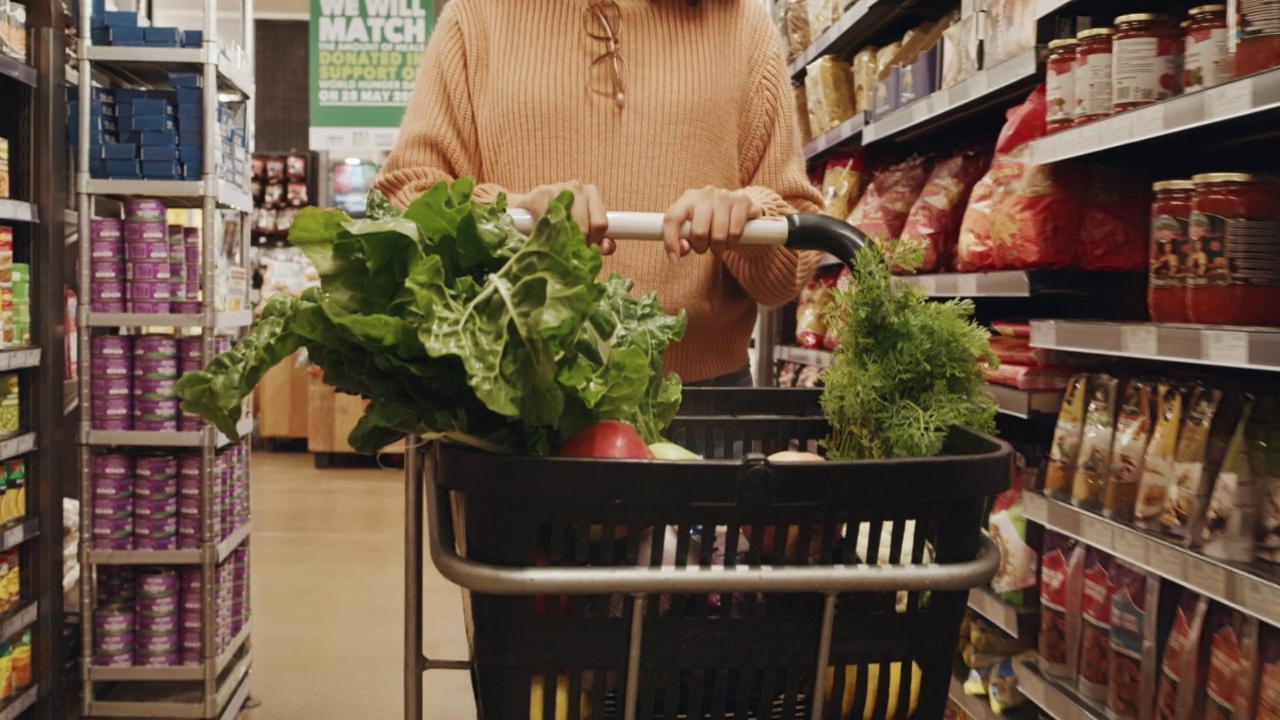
{"type": "Point", "coordinates": [364, 58]}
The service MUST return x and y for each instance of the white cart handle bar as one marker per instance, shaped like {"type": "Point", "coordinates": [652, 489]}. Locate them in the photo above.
{"type": "Point", "coordinates": [798, 232]}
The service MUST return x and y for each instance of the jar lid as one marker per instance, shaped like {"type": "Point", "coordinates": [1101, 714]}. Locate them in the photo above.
{"type": "Point", "coordinates": [1138, 17]}
{"type": "Point", "coordinates": [1065, 42]}
{"type": "Point", "coordinates": [1095, 32]}
{"type": "Point", "coordinates": [1173, 185]}
{"type": "Point", "coordinates": [1204, 9]}
{"type": "Point", "coordinates": [1210, 178]}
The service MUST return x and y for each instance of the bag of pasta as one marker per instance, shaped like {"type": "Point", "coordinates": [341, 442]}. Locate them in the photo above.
{"type": "Point", "coordinates": [935, 217]}
{"type": "Point", "coordinates": [883, 210]}
{"type": "Point", "coordinates": [797, 23]}
{"type": "Point", "coordinates": [843, 182]}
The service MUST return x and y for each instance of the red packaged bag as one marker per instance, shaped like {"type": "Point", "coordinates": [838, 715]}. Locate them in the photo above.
{"type": "Point", "coordinates": [935, 217]}
{"type": "Point", "coordinates": [882, 211]}
{"type": "Point", "coordinates": [1114, 220]}
{"type": "Point", "coordinates": [1021, 215]}
{"type": "Point", "coordinates": [811, 321]}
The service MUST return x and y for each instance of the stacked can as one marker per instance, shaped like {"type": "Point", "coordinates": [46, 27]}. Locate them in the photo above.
{"type": "Point", "coordinates": [155, 370]}
{"type": "Point", "coordinates": [239, 590]}
{"type": "Point", "coordinates": [111, 481]}
{"type": "Point", "coordinates": [190, 359]}
{"type": "Point", "coordinates": [191, 616]}
{"type": "Point", "coordinates": [114, 636]}
{"type": "Point", "coordinates": [240, 486]}
{"type": "Point", "coordinates": [191, 250]}
{"type": "Point", "coordinates": [157, 618]}
{"type": "Point", "coordinates": [147, 270]}
{"type": "Point", "coordinates": [223, 471]}
{"type": "Point", "coordinates": [177, 266]}
{"type": "Point", "coordinates": [189, 481]}
{"type": "Point", "coordinates": [106, 265]}
{"type": "Point", "coordinates": [155, 504]}
{"type": "Point", "coordinates": [117, 585]}
{"type": "Point", "coordinates": [111, 382]}
{"type": "Point", "coordinates": [223, 606]}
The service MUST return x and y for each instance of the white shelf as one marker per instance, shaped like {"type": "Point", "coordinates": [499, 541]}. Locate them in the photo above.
{"type": "Point", "coordinates": [944, 102]}
{"type": "Point", "coordinates": [1045, 8]}
{"type": "Point", "coordinates": [225, 193]}
{"type": "Point", "coordinates": [224, 322]}
{"type": "Point", "coordinates": [848, 130]}
{"type": "Point", "coordinates": [222, 551]}
{"type": "Point", "coordinates": [131, 62]}
{"type": "Point", "coordinates": [17, 70]}
{"type": "Point", "coordinates": [979, 707]}
{"type": "Point", "coordinates": [1218, 346]}
{"type": "Point", "coordinates": [18, 705]}
{"type": "Point", "coordinates": [1236, 99]}
{"type": "Point", "coordinates": [1025, 403]}
{"type": "Point", "coordinates": [803, 356]}
{"type": "Point", "coordinates": [164, 700]}
{"type": "Point", "coordinates": [18, 211]}
{"type": "Point", "coordinates": [19, 358]}
{"type": "Point", "coordinates": [17, 445]}
{"type": "Point", "coordinates": [17, 532]}
{"type": "Point", "coordinates": [1254, 589]}
{"type": "Point", "coordinates": [1057, 701]}
{"type": "Point", "coordinates": [1001, 614]}
{"type": "Point", "coordinates": [820, 45]}
{"type": "Point", "coordinates": [140, 438]}
{"type": "Point", "coordinates": [19, 619]}
{"type": "Point", "coordinates": [182, 673]}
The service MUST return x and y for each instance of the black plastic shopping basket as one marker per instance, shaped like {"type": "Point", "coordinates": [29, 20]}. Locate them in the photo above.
{"type": "Point", "coordinates": [613, 589]}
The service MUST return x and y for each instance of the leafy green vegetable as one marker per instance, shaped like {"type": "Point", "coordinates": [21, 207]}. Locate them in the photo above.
{"type": "Point", "coordinates": [453, 324]}
{"type": "Point", "coordinates": [907, 369]}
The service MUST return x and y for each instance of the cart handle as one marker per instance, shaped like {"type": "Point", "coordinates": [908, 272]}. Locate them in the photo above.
{"type": "Point", "coordinates": [801, 231]}
{"type": "Point", "coordinates": [633, 580]}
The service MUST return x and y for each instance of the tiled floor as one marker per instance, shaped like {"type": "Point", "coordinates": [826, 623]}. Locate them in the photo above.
{"type": "Point", "coordinates": [327, 575]}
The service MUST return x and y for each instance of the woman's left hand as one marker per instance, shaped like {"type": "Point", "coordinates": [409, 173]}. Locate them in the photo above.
{"type": "Point", "coordinates": [716, 219]}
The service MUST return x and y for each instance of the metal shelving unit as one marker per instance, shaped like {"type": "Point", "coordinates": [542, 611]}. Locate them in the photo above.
{"type": "Point", "coordinates": [1218, 346]}
{"type": "Point", "coordinates": [219, 686]}
{"type": "Point", "coordinates": [1053, 698]}
{"type": "Point", "coordinates": [1013, 620]}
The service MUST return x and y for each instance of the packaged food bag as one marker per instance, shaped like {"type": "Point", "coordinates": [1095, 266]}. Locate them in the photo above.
{"type": "Point", "coordinates": [1231, 688]}
{"type": "Point", "coordinates": [1018, 351]}
{"type": "Point", "coordinates": [1190, 463]}
{"type": "Point", "coordinates": [802, 112]}
{"type": "Point", "coordinates": [1231, 520]}
{"type": "Point", "coordinates": [1114, 219]}
{"type": "Point", "coordinates": [1179, 696]}
{"type": "Point", "coordinates": [1157, 464]}
{"type": "Point", "coordinates": [1024, 377]}
{"type": "Point", "coordinates": [1095, 630]}
{"type": "Point", "coordinates": [1133, 430]}
{"type": "Point", "coordinates": [828, 83]}
{"type": "Point", "coordinates": [1003, 692]}
{"type": "Point", "coordinates": [1066, 439]}
{"type": "Point", "coordinates": [797, 25]}
{"type": "Point", "coordinates": [811, 311]}
{"type": "Point", "coordinates": [1021, 215]}
{"type": "Point", "coordinates": [1061, 580]}
{"type": "Point", "coordinates": [1268, 706]}
{"type": "Point", "coordinates": [1018, 560]}
{"type": "Point", "coordinates": [1011, 328]}
{"type": "Point", "coordinates": [1265, 451]}
{"type": "Point", "coordinates": [1132, 674]}
{"type": "Point", "coordinates": [934, 219]}
{"type": "Point", "coordinates": [1094, 459]}
{"type": "Point", "coordinates": [882, 211]}
{"type": "Point", "coordinates": [843, 182]}
{"type": "Point", "coordinates": [865, 71]}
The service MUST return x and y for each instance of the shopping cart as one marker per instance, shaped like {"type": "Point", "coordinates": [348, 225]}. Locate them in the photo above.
{"type": "Point", "coordinates": [731, 588]}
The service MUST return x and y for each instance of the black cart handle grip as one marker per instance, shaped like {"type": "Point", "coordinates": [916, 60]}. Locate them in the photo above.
{"type": "Point", "coordinates": [798, 232]}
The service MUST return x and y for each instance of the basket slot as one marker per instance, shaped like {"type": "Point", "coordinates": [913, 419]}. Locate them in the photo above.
{"type": "Point", "coordinates": [720, 693]}
{"type": "Point", "coordinates": [697, 683]}
{"type": "Point", "coordinates": [550, 692]}
{"type": "Point", "coordinates": [790, 696]}
{"type": "Point", "coordinates": [671, 702]}
{"type": "Point", "coordinates": [576, 710]}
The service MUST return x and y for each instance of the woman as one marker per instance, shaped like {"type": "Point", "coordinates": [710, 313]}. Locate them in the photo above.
{"type": "Point", "coordinates": [640, 105]}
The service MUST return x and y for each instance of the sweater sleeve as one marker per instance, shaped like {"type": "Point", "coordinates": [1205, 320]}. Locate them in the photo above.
{"type": "Point", "coordinates": [773, 174]}
{"type": "Point", "coordinates": [438, 139]}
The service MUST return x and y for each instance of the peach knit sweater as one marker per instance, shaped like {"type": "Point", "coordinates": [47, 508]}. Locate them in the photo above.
{"type": "Point", "coordinates": [502, 96]}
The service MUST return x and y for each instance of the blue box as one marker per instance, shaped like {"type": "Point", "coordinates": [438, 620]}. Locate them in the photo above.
{"type": "Point", "coordinates": [159, 153]}
{"type": "Point", "coordinates": [152, 106]}
{"type": "Point", "coordinates": [162, 138]}
{"type": "Point", "coordinates": [192, 38]}
{"type": "Point", "coordinates": [126, 33]}
{"type": "Point", "coordinates": [98, 169]}
{"type": "Point", "coordinates": [190, 96]}
{"type": "Point", "coordinates": [130, 43]}
{"type": "Point", "coordinates": [191, 172]}
{"type": "Point", "coordinates": [191, 139]}
{"type": "Point", "coordinates": [226, 115]}
{"type": "Point", "coordinates": [163, 169]}
{"type": "Point", "coordinates": [96, 94]}
{"type": "Point", "coordinates": [96, 137]}
{"type": "Point", "coordinates": [97, 108]}
{"type": "Point", "coordinates": [126, 96]}
{"type": "Point", "coordinates": [123, 168]}
{"type": "Point", "coordinates": [115, 19]}
{"type": "Point", "coordinates": [120, 151]}
{"type": "Point", "coordinates": [144, 123]}
{"type": "Point", "coordinates": [186, 79]}
{"type": "Point", "coordinates": [190, 154]}
{"type": "Point", "coordinates": [190, 126]}
{"type": "Point", "coordinates": [100, 35]}
{"type": "Point", "coordinates": [171, 36]}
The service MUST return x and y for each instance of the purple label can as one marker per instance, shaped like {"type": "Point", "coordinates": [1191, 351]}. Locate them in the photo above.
{"type": "Point", "coordinates": [146, 209]}
{"type": "Point", "coordinates": [120, 659]}
{"type": "Point", "coordinates": [105, 229]}
{"type": "Point", "coordinates": [157, 581]}
{"type": "Point", "coordinates": [112, 507]}
{"type": "Point", "coordinates": [157, 605]}
{"type": "Point", "coordinates": [112, 527]}
{"type": "Point", "coordinates": [175, 234]}
{"type": "Point", "coordinates": [155, 544]}
{"type": "Point", "coordinates": [112, 486]}
{"type": "Point", "coordinates": [192, 255]}
{"type": "Point", "coordinates": [188, 307]}
{"type": "Point", "coordinates": [108, 270]}
{"type": "Point", "coordinates": [111, 644]}
{"type": "Point", "coordinates": [151, 508]}
{"type": "Point", "coordinates": [191, 235]}
{"type": "Point", "coordinates": [157, 426]}
{"type": "Point", "coordinates": [149, 289]}
{"type": "Point", "coordinates": [111, 386]}
{"type": "Point", "coordinates": [112, 407]}
{"type": "Point", "coordinates": [160, 489]}
{"type": "Point", "coordinates": [189, 423]}
{"type": "Point", "coordinates": [154, 389]}
{"type": "Point", "coordinates": [148, 231]}
{"type": "Point", "coordinates": [188, 507]}
{"type": "Point", "coordinates": [156, 410]}
{"type": "Point", "coordinates": [155, 347]}
{"type": "Point", "coordinates": [157, 527]}
{"type": "Point", "coordinates": [150, 307]}
{"type": "Point", "coordinates": [110, 367]}
{"type": "Point", "coordinates": [112, 424]}
{"type": "Point", "coordinates": [169, 659]}
{"type": "Point", "coordinates": [177, 289]}
{"type": "Point", "coordinates": [113, 543]}
{"type": "Point", "coordinates": [107, 291]}
{"type": "Point", "coordinates": [159, 625]}
{"type": "Point", "coordinates": [115, 346]}
{"type": "Point", "coordinates": [149, 271]}
{"type": "Point", "coordinates": [177, 269]}
{"type": "Point", "coordinates": [146, 251]}
{"type": "Point", "coordinates": [156, 467]}
{"type": "Point", "coordinates": [106, 250]}
{"type": "Point", "coordinates": [107, 306]}
{"type": "Point", "coordinates": [113, 620]}
{"type": "Point", "coordinates": [155, 368]}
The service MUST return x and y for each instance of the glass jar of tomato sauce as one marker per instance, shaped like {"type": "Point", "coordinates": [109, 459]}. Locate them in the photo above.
{"type": "Point", "coordinates": [1207, 62]}
{"type": "Point", "coordinates": [1232, 264]}
{"type": "Point", "coordinates": [1257, 43]}
{"type": "Point", "coordinates": [1143, 60]}
{"type": "Point", "coordinates": [1093, 75]}
{"type": "Point", "coordinates": [1060, 84]}
{"type": "Point", "coordinates": [1170, 216]}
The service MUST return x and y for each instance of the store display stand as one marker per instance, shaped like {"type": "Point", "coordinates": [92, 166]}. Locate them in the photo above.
{"type": "Point", "coordinates": [219, 685]}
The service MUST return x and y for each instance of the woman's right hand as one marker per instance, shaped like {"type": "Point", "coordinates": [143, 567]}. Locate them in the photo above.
{"type": "Point", "coordinates": [588, 209]}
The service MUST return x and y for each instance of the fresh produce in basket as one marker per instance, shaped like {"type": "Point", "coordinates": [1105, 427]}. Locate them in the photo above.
{"type": "Point", "coordinates": [455, 325]}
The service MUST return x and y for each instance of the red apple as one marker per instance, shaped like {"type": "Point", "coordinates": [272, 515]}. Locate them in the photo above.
{"type": "Point", "coordinates": [606, 439]}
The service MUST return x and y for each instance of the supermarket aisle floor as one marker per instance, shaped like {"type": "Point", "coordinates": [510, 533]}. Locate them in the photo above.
{"type": "Point", "coordinates": [327, 575]}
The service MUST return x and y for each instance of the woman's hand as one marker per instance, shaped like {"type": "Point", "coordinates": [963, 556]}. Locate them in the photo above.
{"type": "Point", "coordinates": [588, 209]}
{"type": "Point", "coordinates": [716, 220]}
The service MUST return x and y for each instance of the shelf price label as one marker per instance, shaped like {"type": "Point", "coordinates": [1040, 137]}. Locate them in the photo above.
{"type": "Point", "coordinates": [1261, 598]}
{"type": "Point", "coordinates": [1140, 340]}
{"type": "Point", "coordinates": [967, 285]}
{"type": "Point", "coordinates": [14, 536]}
{"type": "Point", "coordinates": [1208, 577]}
{"type": "Point", "coordinates": [1097, 532]}
{"type": "Point", "coordinates": [1234, 98]}
{"type": "Point", "coordinates": [1036, 507]}
{"type": "Point", "coordinates": [1224, 347]}
{"type": "Point", "coordinates": [1131, 546]}
{"type": "Point", "coordinates": [1167, 561]}
{"type": "Point", "coordinates": [1147, 122]}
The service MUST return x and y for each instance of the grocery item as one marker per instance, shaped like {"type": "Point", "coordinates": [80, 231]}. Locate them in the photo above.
{"type": "Point", "coordinates": [1235, 232]}
{"type": "Point", "coordinates": [1113, 219]}
{"type": "Point", "coordinates": [1018, 560]}
{"type": "Point", "coordinates": [1133, 430]}
{"type": "Point", "coordinates": [822, 13]}
{"type": "Point", "coordinates": [1094, 459]}
{"type": "Point", "coordinates": [1254, 32]}
{"type": "Point", "coordinates": [1010, 328]}
{"type": "Point", "coordinates": [865, 69]}
{"type": "Point", "coordinates": [1231, 689]}
{"type": "Point", "coordinates": [828, 84]}
{"type": "Point", "coordinates": [882, 212]}
{"type": "Point", "coordinates": [797, 24]}
{"type": "Point", "coordinates": [802, 114]}
{"type": "Point", "coordinates": [1060, 84]}
{"type": "Point", "coordinates": [1003, 689]}
{"type": "Point", "coordinates": [1066, 439]}
{"type": "Point", "coordinates": [1018, 351]}
{"type": "Point", "coordinates": [1094, 95]}
{"type": "Point", "coordinates": [811, 322]}
{"type": "Point", "coordinates": [1207, 61]}
{"type": "Point", "coordinates": [1131, 669]}
{"type": "Point", "coordinates": [1190, 464]}
{"type": "Point", "coordinates": [1268, 705]}
{"type": "Point", "coordinates": [1030, 378]}
{"type": "Point", "coordinates": [1020, 215]}
{"type": "Point", "coordinates": [1010, 29]}
{"type": "Point", "coordinates": [1158, 463]}
{"type": "Point", "coordinates": [1181, 666]}
{"type": "Point", "coordinates": [1170, 219]}
{"type": "Point", "coordinates": [988, 639]}
{"type": "Point", "coordinates": [1143, 60]}
{"type": "Point", "coordinates": [842, 182]}
{"type": "Point", "coordinates": [935, 216]}
{"type": "Point", "coordinates": [1095, 630]}
{"type": "Point", "coordinates": [1061, 579]}
{"type": "Point", "coordinates": [1265, 464]}
{"type": "Point", "coordinates": [1231, 521]}
{"type": "Point", "coordinates": [10, 404]}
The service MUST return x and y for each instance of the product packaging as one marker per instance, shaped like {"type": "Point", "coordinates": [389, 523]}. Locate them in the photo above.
{"type": "Point", "coordinates": [934, 218]}
{"type": "Point", "coordinates": [882, 211]}
{"type": "Point", "coordinates": [811, 322]}
{"type": "Point", "coordinates": [1231, 521]}
{"type": "Point", "coordinates": [1157, 464]}
{"type": "Point", "coordinates": [1061, 580]}
{"type": "Point", "coordinates": [1066, 439]}
{"type": "Point", "coordinates": [865, 70]}
{"type": "Point", "coordinates": [1268, 705]}
{"type": "Point", "coordinates": [1114, 222]}
{"type": "Point", "coordinates": [1191, 467]}
{"type": "Point", "coordinates": [1132, 668]}
{"type": "Point", "coordinates": [1133, 431]}
{"type": "Point", "coordinates": [1034, 379]}
{"type": "Point", "coordinates": [828, 83]}
{"type": "Point", "coordinates": [1179, 696]}
{"type": "Point", "coordinates": [1232, 670]}
{"type": "Point", "coordinates": [1018, 561]}
{"type": "Point", "coordinates": [1095, 630]}
{"type": "Point", "coordinates": [1094, 459]}
{"type": "Point", "coordinates": [1265, 453]}
{"type": "Point", "coordinates": [843, 182]}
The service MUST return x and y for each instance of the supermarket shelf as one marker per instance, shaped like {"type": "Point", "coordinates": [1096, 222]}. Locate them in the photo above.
{"type": "Point", "coordinates": [169, 701]}
{"type": "Point", "coordinates": [138, 438]}
{"type": "Point", "coordinates": [1018, 283]}
{"type": "Point", "coordinates": [18, 70]}
{"type": "Point", "coordinates": [1255, 590]}
{"type": "Point", "coordinates": [233, 541]}
{"type": "Point", "coordinates": [1045, 8]}
{"type": "Point", "coordinates": [852, 28]}
{"type": "Point", "coordinates": [223, 550]}
{"type": "Point", "coordinates": [189, 190]}
{"type": "Point", "coordinates": [13, 708]}
{"type": "Point", "coordinates": [1237, 99]}
{"type": "Point", "coordinates": [803, 356]}
{"type": "Point", "coordinates": [224, 322]}
{"type": "Point", "coordinates": [18, 531]}
{"type": "Point", "coordinates": [1056, 700]}
{"type": "Point", "coordinates": [848, 130]}
{"type": "Point", "coordinates": [151, 65]}
{"type": "Point", "coordinates": [18, 211]}
{"type": "Point", "coordinates": [1219, 346]}
{"type": "Point", "coordinates": [1025, 403]}
{"type": "Point", "coordinates": [71, 396]}
{"type": "Point", "coordinates": [170, 674]}
{"type": "Point", "coordinates": [988, 85]}
{"type": "Point", "coordinates": [17, 445]}
{"type": "Point", "coordinates": [980, 707]}
{"type": "Point", "coordinates": [19, 358]}
{"type": "Point", "coordinates": [1003, 615]}
{"type": "Point", "coordinates": [19, 619]}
